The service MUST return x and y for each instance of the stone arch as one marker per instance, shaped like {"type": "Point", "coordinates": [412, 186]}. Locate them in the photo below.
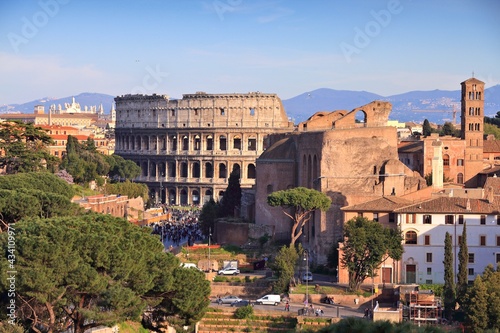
{"type": "Point", "coordinates": [196, 170]}
{"type": "Point", "coordinates": [237, 168]}
{"type": "Point", "coordinates": [195, 197]}
{"type": "Point", "coordinates": [208, 195]}
{"type": "Point", "coordinates": [209, 170]}
{"type": "Point", "coordinates": [183, 197]}
{"type": "Point", "coordinates": [184, 170]}
{"type": "Point", "coordinates": [144, 167]}
{"type": "Point", "coordinates": [222, 170]}
{"type": "Point", "coordinates": [251, 174]}
{"type": "Point", "coordinates": [360, 117]}
{"type": "Point", "coordinates": [172, 197]}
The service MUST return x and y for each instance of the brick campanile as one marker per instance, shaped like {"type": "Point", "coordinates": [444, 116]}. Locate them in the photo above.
{"type": "Point", "coordinates": [472, 116]}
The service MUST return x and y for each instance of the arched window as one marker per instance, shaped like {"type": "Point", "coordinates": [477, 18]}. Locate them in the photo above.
{"type": "Point", "coordinates": [184, 170]}
{"type": "Point", "coordinates": [446, 160]}
{"type": "Point", "coordinates": [222, 143]}
{"type": "Point", "coordinates": [411, 237]}
{"type": "Point", "coordinates": [196, 170]}
{"type": "Point", "coordinates": [222, 171]}
{"type": "Point", "coordinates": [209, 170]}
{"type": "Point", "coordinates": [269, 189]}
{"type": "Point", "coordinates": [251, 171]}
{"type": "Point", "coordinates": [460, 178]}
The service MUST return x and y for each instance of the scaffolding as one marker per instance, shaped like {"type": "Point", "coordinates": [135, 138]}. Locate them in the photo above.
{"type": "Point", "coordinates": [423, 307]}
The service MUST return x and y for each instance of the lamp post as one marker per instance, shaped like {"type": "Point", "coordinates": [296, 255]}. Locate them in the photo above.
{"type": "Point", "coordinates": [306, 258]}
{"type": "Point", "coordinates": [209, 235]}
{"type": "Point", "coordinates": [373, 288]}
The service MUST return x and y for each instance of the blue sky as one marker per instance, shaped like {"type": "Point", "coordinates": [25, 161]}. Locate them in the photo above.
{"type": "Point", "coordinates": [60, 48]}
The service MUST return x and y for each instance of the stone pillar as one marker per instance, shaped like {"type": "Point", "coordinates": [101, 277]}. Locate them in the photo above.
{"type": "Point", "coordinates": [437, 164]}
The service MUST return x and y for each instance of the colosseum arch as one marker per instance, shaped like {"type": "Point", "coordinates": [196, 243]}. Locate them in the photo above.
{"type": "Point", "coordinates": [209, 170]}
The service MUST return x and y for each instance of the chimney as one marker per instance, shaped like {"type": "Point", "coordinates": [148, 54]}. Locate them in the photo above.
{"type": "Point", "coordinates": [490, 194]}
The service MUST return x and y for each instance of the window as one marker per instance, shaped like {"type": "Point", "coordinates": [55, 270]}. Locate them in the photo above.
{"type": "Point", "coordinates": [222, 143]}
{"type": "Point", "coordinates": [459, 239]}
{"type": "Point", "coordinates": [448, 219]}
{"type": "Point", "coordinates": [483, 219]}
{"type": "Point", "coordinates": [427, 240]}
{"type": "Point", "coordinates": [460, 162]}
{"type": "Point", "coordinates": [460, 219]}
{"type": "Point", "coordinates": [471, 258]}
{"type": "Point", "coordinates": [411, 237]}
{"type": "Point", "coordinates": [269, 189]}
{"type": "Point", "coordinates": [498, 219]}
{"type": "Point", "coordinates": [498, 240]}
{"type": "Point", "coordinates": [237, 143]}
{"type": "Point", "coordinates": [360, 214]}
{"type": "Point", "coordinates": [446, 160]}
{"type": "Point", "coordinates": [252, 144]}
{"type": "Point", "coordinates": [375, 217]}
{"type": "Point", "coordinates": [482, 240]}
{"type": "Point", "coordinates": [222, 112]}
{"type": "Point", "coordinates": [428, 257]}
{"type": "Point", "coordinates": [410, 218]}
{"type": "Point", "coordinates": [427, 219]}
{"type": "Point", "coordinates": [392, 217]}
{"type": "Point", "coordinates": [210, 143]}
{"type": "Point", "coordinates": [460, 178]}
{"type": "Point", "coordinates": [428, 281]}
{"type": "Point", "coordinates": [471, 271]}
{"type": "Point", "coordinates": [429, 271]}
{"type": "Point", "coordinates": [498, 258]}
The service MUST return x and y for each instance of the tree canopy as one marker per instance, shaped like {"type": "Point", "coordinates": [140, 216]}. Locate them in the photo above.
{"type": "Point", "coordinates": [25, 148]}
{"type": "Point", "coordinates": [35, 194]}
{"type": "Point", "coordinates": [366, 245]}
{"type": "Point", "coordinates": [89, 270]}
{"type": "Point", "coordinates": [302, 202]}
{"type": "Point", "coordinates": [284, 267]}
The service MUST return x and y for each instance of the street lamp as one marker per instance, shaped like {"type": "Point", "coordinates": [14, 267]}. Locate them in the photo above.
{"type": "Point", "coordinates": [306, 259]}
{"type": "Point", "coordinates": [209, 235]}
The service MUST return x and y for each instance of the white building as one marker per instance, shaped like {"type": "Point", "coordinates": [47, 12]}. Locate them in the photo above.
{"type": "Point", "coordinates": [425, 224]}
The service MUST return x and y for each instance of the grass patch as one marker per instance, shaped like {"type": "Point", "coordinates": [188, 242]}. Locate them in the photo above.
{"type": "Point", "coordinates": [132, 327]}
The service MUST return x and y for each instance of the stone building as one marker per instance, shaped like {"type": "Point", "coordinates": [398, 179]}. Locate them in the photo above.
{"type": "Point", "coordinates": [349, 161]}
{"type": "Point", "coordinates": [188, 147]}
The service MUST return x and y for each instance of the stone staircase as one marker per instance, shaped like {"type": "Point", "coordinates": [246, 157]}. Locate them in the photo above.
{"type": "Point", "coordinates": [224, 321]}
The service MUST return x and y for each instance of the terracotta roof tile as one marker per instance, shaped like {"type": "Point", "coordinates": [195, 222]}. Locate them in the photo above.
{"type": "Point", "coordinates": [449, 205]}
{"type": "Point", "coordinates": [384, 204]}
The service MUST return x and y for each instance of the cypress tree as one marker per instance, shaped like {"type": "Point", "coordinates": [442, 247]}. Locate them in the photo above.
{"type": "Point", "coordinates": [426, 128]}
{"type": "Point", "coordinates": [449, 279]}
{"type": "Point", "coordinates": [476, 307]}
{"type": "Point", "coordinates": [463, 259]}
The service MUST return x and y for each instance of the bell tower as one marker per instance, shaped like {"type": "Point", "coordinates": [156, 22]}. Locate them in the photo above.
{"type": "Point", "coordinates": [472, 126]}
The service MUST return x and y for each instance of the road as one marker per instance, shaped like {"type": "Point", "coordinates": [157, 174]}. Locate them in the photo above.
{"type": "Point", "coordinates": [332, 311]}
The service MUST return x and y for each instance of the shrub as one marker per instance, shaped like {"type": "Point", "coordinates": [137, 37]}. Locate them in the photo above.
{"type": "Point", "coordinates": [244, 312]}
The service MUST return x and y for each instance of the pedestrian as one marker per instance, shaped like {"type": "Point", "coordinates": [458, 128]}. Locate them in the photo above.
{"type": "Point", "coordinates": [287, 306]}
{"type": "Point", "coordinates": [367, 312]}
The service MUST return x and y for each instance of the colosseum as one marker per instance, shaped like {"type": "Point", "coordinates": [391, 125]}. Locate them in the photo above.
{"type": "Point", "coordinates": [188, 147]}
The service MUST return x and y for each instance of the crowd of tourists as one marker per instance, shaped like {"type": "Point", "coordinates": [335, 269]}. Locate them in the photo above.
{"type": "Point", "coordinates": [181, 227]}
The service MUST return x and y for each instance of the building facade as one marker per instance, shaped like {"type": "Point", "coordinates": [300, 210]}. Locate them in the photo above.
{"type": "Point", "coordinates": [187, 148]}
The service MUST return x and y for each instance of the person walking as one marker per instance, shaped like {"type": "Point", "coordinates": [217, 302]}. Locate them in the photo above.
{"type": "Point", "coordinates": [287, 306]}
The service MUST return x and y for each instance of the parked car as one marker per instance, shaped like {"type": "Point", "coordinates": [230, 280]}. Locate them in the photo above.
{"type": "Point", "coordinates": [230, 299]}
{"type": "Point", "coordinates": [229, 271]}
{"type": "Point", "coordinates": [307, 277]}
{"type": "Point", "coordinates": [243, 302]}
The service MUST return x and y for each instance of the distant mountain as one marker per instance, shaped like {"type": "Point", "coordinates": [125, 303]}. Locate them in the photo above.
{"type": "Point", "coordinates": [85, 99]}
{"type": "Point", "coordinates": [436, 106]}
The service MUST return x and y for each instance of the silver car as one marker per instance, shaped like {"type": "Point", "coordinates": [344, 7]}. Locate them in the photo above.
{"type": "Point", "coordinates": [230, 299]}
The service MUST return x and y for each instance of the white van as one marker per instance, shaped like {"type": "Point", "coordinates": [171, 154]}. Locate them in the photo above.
{"type": "Point", "coordinates": [269, 299]}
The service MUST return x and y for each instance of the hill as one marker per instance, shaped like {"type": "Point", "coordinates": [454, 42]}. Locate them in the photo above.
{"type": "Point", "coordinates": [435, 105]}
{"type": "Point", "coordinates": [85, 99]}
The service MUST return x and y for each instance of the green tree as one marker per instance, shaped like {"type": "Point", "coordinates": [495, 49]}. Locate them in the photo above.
{"type": "Point", "coordinates": [449, 279]}
{"type": "Point", "coordinates": [284, 267]}
{"type": "Point", "coordinates": [231, 199]}
{"type": "Point", "coordinates": [491, 279]}
{"type": "Point", "coordinates": [189, 297]}
{"type": "Point", "coordinates": [298, 203]}
{"type": "Point", "coordinates": [121, 168]}
{"type": "Point", "coordinates": [91, 270]}
{"type": "Point", "coordinates": [463, 259]}
{"type": "Point", "coordinates": [426, 128]}
{"type": "Point", "coordinates": [35, 194]}
{"type": "Point", "coordinates": [476, 306]}
{"type": "Point", "coordinates": [132, 190]}
{"type": "Point", "coordinates": [449, 129]}
{"type": "Point", "coordinates": [24, 148]}
{"type": "Point", "coordinates": [366, 245]}
{"type": "Point", "coordinates": [83, 161]}
{"type": "Point", "coordinates": [208, 215]}
{"type": "Point", "coordinates": [492, 129]}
